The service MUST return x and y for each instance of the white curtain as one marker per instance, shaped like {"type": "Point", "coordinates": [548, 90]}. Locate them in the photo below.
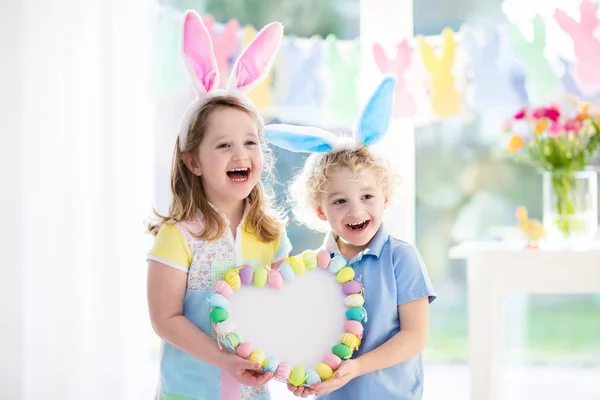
{"type": "Point", "coordinates": [78, 175]}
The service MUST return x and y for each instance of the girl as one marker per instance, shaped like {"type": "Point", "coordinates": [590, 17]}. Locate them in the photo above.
{"type": "Point", "coordinates": [219, 219]}
{"type": "Point", "coordinates": [346, 188]}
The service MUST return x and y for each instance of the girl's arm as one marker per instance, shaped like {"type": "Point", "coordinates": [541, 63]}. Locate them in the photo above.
{"type": "Point", "coordinates": [405, 344]}
{"type": "Point", "coordinates": [166, 290]}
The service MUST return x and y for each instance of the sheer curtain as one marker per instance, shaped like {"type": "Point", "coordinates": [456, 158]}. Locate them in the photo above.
{"type": "Point", "coordinates": [79, 170]}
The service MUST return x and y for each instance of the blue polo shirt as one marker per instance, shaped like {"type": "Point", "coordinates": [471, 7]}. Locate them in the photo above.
{"type": "Point", "coordinates": [392, 273]}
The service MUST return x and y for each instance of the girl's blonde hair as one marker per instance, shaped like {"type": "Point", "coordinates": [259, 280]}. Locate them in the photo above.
{"type": "Point", "coordinates": [308, 185]}
{"type": "Point", "coordinates": [188, 194]}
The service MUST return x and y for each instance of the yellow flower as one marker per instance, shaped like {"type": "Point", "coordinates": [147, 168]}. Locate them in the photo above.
{"type": "Point", "coordinates": [584, 106]}
{"type": "Point", "coordinates": [541, 126]}
{"type": "Point", "coordinates": [516, 143]}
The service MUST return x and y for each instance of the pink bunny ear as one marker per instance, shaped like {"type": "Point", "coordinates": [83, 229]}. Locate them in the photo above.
{"type": "Point", "coordinates": [588, 16]}
{"type": "Point", "coordinates": [224, 44]}
{"type": "Point", "coordinates": [381, 58]}
{"type": "Point", "coordinates": [198, 54]}
{"type": "Point", "coordinates": [253, 65]}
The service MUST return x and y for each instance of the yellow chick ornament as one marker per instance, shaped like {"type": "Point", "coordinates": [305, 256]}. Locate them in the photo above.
{"type": "Point", "coordinates": [533, 229]}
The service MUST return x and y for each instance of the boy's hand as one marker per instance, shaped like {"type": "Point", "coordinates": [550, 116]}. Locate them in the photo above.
{"type": "Point", "coordinates": [245, 371]}
{"type": "Point", "coordinates": [349, 370]}
{"type": "Point", "coordinates": [300, 391]}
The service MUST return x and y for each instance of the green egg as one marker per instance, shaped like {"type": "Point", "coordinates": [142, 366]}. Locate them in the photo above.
{"type": "Point", "coordinates": [342, 351]}
{"type": "Point", "coordinates": [298, 376]}
{"type": "Point", "coordinates": [356, 313]}
{"type": "Point", "coordinates": [260, 277]}
{"type": "Point", "coordinates": [218, 315]}
{"type": "Point", "coordinates": [310, 259]}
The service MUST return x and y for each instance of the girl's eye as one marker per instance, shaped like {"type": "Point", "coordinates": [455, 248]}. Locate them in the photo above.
{"type": "Point", "coordinates": [339, 201]}
{"type": "Point", "coordinates": [223, 145]}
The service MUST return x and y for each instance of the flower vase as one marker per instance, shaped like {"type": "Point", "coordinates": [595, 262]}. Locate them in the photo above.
{"type": "Point", "coordinates": [570, 205]}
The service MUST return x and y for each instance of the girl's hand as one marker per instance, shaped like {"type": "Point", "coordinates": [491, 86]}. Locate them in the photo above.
{"type": "Point", "coordinates": [349, 370]}
{"type": "Point", "coordinates": [300, 391]}
{"type": "Point", "coordinates": [245, 371]}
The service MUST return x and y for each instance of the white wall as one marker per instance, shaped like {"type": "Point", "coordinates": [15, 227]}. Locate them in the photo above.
{"type": "Point", "coordinates": [11, 274]}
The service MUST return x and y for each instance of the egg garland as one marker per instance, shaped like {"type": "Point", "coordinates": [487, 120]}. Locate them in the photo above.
{"type": "Point", "coordinates": [293, 266]}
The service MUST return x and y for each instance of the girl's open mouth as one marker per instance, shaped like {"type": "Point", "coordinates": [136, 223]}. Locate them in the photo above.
{"type": "Point", "coordinates": [239, 174]}
{"type": "Point", "coordinates": [358, 226]}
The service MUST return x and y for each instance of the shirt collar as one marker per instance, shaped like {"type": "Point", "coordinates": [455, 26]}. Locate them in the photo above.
{"type": "Point", "coordinates": [374, 248]}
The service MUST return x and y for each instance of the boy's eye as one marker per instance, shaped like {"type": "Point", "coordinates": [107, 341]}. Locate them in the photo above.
{"type": "Point", "coordinates": [367, 196]}
{"type": "Point", "coordinates": [339, 201]}
{"type": "Point", "coordinates": [251, 143]}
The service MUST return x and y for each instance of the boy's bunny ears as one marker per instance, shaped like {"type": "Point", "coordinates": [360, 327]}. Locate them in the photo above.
{"type": "Point", "coordinates": [251, 67]}
{"type": "Point", "coordinates": [372, 126]}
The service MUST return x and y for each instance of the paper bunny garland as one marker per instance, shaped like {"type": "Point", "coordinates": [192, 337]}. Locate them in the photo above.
{"type": "Point", "coordinates": [372, 126]}
{"type": "Point", "coordinates": [250, 68]}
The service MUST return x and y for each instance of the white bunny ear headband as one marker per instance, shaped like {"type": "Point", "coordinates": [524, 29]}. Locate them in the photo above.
{"type": "Point", "coordinates": [372, 126]}
{"type": "Point", "coordinates": [250, 68]}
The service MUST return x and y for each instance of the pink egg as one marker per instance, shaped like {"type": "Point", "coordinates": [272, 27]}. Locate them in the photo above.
{"type": "Point", "coordinates": [332, 360]}
{"type": "Point", "coordinates": [323, 259]}
{"type": "Point", "coordinates": [244, 350]}
{"type": "Point", "coordinates": [223, 289]}
{"type": "Point", "coordinates": [283, 371]}
{"type": "Point", "coordinates": [275, 279]}
{"type": "Point", "coordinates": [354, 327]}
{"type": "Point", "coordinates": [352, 287]}
{"type": "Point", "coordinates": [246, 275]}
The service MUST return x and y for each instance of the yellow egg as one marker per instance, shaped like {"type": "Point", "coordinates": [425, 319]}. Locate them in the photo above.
{"type": "Point", "coordinates": [310, 259]}
{"type": "Point", "coordinates": [346, 274]}
{"type": "Point", "coordinates": [233, 278]}
{"type": "Point", "coordinates": [350, 340]}
{"type": "Point", "coordinates": [257, 356]}
{"type": "Point", "coordinates": [324, 371]}
{"type": "Point", "coordinates": [297, 265]}
{"type": "Point", "coordinates": [354, 300]}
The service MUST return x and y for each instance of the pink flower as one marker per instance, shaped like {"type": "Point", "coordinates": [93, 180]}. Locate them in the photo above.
{"type": "Point", "coordinates": [556, 129]}
{"type": "Point", "coordinates": [520, 114]}
{"type": "Point", "coordinates": [550, 112]}
{"type": "Point", "coordinates": [506, 126]}
{"type": "Point", "coordinates": [573, 125]}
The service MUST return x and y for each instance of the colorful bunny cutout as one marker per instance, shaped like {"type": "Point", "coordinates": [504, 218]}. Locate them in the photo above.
{"type": "Point", "coordinates": [586, 45]}
{"type": "Point", "coordinates": [344, 70]}
{"type": "Point", "coordinates": [446, 100]}
{"type": "Point", "coordinates": [250, 68]}
{"type": "Point", "coordinates": [397, 66]}
{"type": "Point", "coordinates": [372, 125]}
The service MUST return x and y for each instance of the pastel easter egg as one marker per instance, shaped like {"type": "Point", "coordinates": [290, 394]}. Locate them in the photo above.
{"type": "Point", "coordinates": [342, 351]}
{"type": "Point", "coordinates": [283, 371]}
{"type": "Point", "coordinates": [336, 264]}
{"type": "Point", "coordinates": [232, 341]}
{"type": "Point", "coordinates": [225, 327]}
{"type": "Point", "coordinates": [356, 313]}
{"type": "Point", "coordinates": [257, 356]}
{"type": "Point", "coordinates": [350, 340]}
{"type": "Point", "coordinates": [246, 274]}
{"type": "Point", "coordinates": [275, 279]}
{"type": "Point", "coordinates": [286, 271]}
{"type": "Point", "coordinates": [310, 259]}
{"type": "Point", "coordinates": [298, 376]}
{"type": "Point", "coordinates": [244, 350]}
{"type": "Point", "coordinates": [325, 372]}
{"type": "Point", "coordinates": [223, 289]}
{"type": "Point", "coordinates": [260, 277]}
{"type": "Point", "coordinates": [218, 315]}
{"type": "Point", "coordinates": [233, 278]}
{"type": "Point", "coordinates": [346, 274]}
{"type": "Point", "coordinates": [312, 377]}
{"type": "Point", "coordinates": [351, 287]}
{"type": "Point", "coordinates": [217, 300]}
{"type": "Point", "coordinates": [323, 259]}
{"type": "Point", "coordinates": [297, 264]}
{"type": "Point", "coordinates": [354, 327]}
{"type": "Point", "coordinates": [354, 300]}
{"type": "Point", "coordinates": [332, 360]}
{"type": "Point", "coordinates": [270, 364]}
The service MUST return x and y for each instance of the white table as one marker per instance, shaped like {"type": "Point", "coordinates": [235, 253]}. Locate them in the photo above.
{"type": "Point", "coordinates": [497, 268]}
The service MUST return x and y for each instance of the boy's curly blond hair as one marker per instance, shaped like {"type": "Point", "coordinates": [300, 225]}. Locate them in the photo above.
{"type": "Point", "coordinates": [310, 183]}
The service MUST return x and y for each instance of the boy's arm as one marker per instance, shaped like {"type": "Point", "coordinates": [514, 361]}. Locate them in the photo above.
{"type": "Point", "coordinates": [403, 345]}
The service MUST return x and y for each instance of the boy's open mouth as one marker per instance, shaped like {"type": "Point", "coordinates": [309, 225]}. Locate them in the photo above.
{"type": "Point", "coordinates": [239, 174]}
{"type": "Point", "coordinates": [358, 226]}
